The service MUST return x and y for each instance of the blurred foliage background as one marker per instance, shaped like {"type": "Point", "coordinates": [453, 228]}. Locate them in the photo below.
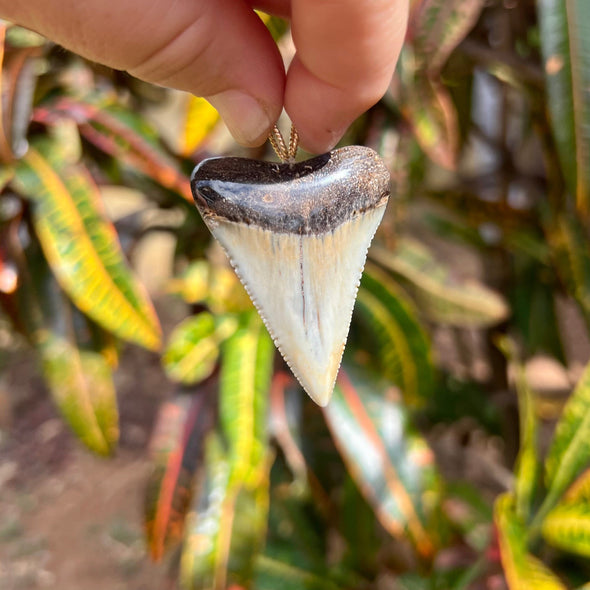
{"type": "Point", "coordinates": [471, 323]}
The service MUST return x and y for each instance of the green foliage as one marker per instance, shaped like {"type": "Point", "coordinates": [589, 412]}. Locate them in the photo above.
{"type": "Point", "coordinates": [81, 245]}
{"type": "Point", "coordinates": [176, 450]}
{"type": "Point", "coordinates": [440, 296]}
{"type": "Point", "coordinates": [564, 27]}
{"type": "Point", "coordinates": [486, 130]}
{"type": "Point", "coordinates": [391, 464]}
{"type": "Point", "coordinates": [570, 449]}
{"type": "Point", "coordinates": [193, 350]}
{"type": "Point", "coordinates": [523, 571]}
{"type": "Point", "coordinates": [403, 350]}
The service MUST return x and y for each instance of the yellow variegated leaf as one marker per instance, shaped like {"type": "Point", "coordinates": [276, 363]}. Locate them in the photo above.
{"type": "Point", "coordinates": [216, 286]}
{"type": "Point", "coordinates": [432, 115]}
{"type": "Point", "coordinates": [75, 354]}
{"type": "Point", "coordinates": [193, 348]}
{"type": "Point", "coordinates": [523, 571]}
{"type": "Point", "coordinates": [82, 388]}
{"type": "Point", "coordinates": [565, 45]}
{"type": "Point", "coordinates": [200, 120]}
{"type": "Point", "coordinates": [244, 388]}
{"type": "Point", "coordinates": [580, 490]}
{"type": "Point", "coordinates": [392, 465]}
{"type": "Point", "coordinates": [570, 449]}
{"type": "Point", "coordinates": [438, 26]}
{"type": "Point", "coordinates": [568, 527]}
{"type": "Point", "coordinates": [276, 26]}
{"type": "Point", "coordinates": [176, 449]}
{"type": "Point", "coordinates": [81, 245]}
{"type": "Point", "coordinates": [571, 250]}
{"type": "Point", "coordinates": [403, 346]}
{"type": "Point", "coordinates": [439, 295]}
{"type": "Point", "coordinates": [528, 466]}
{"type": "Point", "coordinates": [193, 284]}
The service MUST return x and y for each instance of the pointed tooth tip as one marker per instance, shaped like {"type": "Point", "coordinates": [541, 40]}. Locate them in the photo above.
{"type": "Point", "coordinates": [320, 390]}
{"type": "Point", "coordinates": [322, 400]}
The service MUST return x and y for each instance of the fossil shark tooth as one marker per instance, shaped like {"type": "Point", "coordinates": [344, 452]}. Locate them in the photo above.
{"type": "Point", "coordinates": [297, 235]}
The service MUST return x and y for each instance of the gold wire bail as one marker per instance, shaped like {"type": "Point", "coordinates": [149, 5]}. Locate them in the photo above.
{"type": "Point", "coordinates": [285, 152]}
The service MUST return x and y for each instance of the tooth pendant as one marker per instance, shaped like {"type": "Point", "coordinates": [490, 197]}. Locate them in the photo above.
{"type": "Point", "coordinates": [297, 235]}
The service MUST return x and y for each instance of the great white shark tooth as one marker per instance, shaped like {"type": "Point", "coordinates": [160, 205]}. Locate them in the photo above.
{"type": "Point", "coordinates": [297, 235]}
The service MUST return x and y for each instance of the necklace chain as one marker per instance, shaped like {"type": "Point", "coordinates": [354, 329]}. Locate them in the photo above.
{"type": "Point", "coordinates": [285, 152]}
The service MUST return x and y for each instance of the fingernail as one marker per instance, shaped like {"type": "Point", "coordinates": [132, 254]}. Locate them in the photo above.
{"type": "Point", "coordinates": [244, 116]}
{"type": "Point", "coordinates": [322, 141]}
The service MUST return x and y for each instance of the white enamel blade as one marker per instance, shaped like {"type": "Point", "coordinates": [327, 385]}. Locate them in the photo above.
{"type": "Point", "coordinates": [304, 287]}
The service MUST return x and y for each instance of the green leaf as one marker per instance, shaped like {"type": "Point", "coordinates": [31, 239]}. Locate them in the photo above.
{"type": "Point", "coordinates": [20, 37]}
{"type": "Point", "coordinates": [175, 451]}
{"type": "Point", "coordinates": [528, 466]}
{"type": "Point", "coordinates": [276, 26]}
{"type": "Point", "coordinates": [193, 348]}
{"type": "Point", "coordinates": [438, 26]}
{"type": "Point", "coordinates": [356, 525]}
{"type": "Point", "coordinates": [296, 532]}
{"type": "Point", "coordinates": [193, 284]}
{"type": "Point", "coordinates": [438, 293]}
{"type": "Point", "coordinates": [78, 376]}
{"type": "Point", "coordinates": [533, 303]}
{"type": "Point", "coordinates": [391, 464]}
{"type": "Point", "coordinates": [403, 347]}
{"type": "Point", "coordinates": [226, 529]}
{"type": "Point", "coordinates": [565, 44]}
{"type": "Point", "coordinates": [81, 245]}
{"type": "Point", "coordinates": [82, 387]}
{"type": "Point", "coordinates": [522, 570]}
{"type": "Point", "coordinates": [567, 527]}
{"type": "Point", "coordinates": [571, 249]}
{"type": "Point", "coordinates": [446, 579]}
{"type": "Point", "coordinates": [246, 370]}
{"type": "Point", "coordinates": [570, 449]}
{"type": "Point", "coordinates": [6, 175]}
{"type": "Point", "coordinates": [273, 574]}
{"type": "Point", "coordinates": [214, 285]}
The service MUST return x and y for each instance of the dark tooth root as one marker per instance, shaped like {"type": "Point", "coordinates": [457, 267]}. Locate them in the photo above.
{"type": "Point", "coordinates": [307, 198]}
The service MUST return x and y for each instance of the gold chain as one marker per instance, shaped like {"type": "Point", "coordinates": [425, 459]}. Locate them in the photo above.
{"type": "Point", "coordinates": [286, 153]}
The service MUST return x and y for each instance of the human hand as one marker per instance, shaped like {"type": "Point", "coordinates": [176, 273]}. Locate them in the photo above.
{"type": "Point", "coordinates": [219, 49]}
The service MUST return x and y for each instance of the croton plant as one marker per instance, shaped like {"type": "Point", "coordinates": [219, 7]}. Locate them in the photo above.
{"type": "Point", "coordinates": [486, 132]}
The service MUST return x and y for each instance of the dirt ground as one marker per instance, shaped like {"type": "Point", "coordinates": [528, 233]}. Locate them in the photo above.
{"type": "Point", "coordinates": [68, 519]}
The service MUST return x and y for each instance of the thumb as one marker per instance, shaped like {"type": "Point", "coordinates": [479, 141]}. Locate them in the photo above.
{"type": "Point", "coordinates": [346, 55]}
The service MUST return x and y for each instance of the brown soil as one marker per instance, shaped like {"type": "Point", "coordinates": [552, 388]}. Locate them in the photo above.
{"type": "Point", "coordinates": [68, 519]}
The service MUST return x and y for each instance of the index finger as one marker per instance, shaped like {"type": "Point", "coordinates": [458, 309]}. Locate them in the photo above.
{"type": "Point", "coordinates": [346, 55]}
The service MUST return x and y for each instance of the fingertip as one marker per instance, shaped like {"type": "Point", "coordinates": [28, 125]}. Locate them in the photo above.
{"type": "Point", "coordinates": [346, 55]}
{"type": "Point", "coordinates": [320, 112]}
{"type": "Point", "coordinates": [248, 119]}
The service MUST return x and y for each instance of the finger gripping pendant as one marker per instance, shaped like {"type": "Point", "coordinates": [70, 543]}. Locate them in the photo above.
{"type": "Point", "coordinates": [297, 235]}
